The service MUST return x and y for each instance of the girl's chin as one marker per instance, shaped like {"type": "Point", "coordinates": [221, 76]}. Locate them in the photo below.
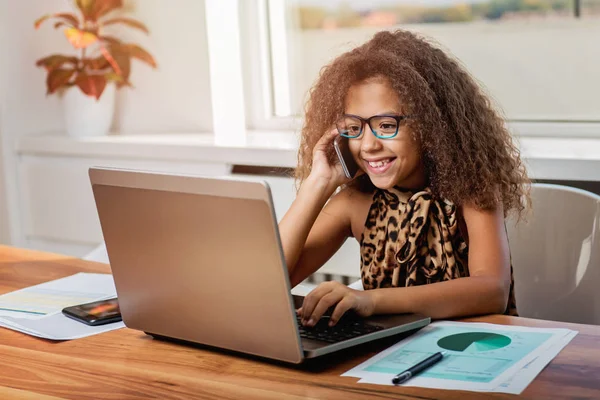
{"type": "Point", "coordinates": [383, 182]}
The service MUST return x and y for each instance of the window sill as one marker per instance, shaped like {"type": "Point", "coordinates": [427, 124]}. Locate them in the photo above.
{"type": "Point", "coordinates": [262, 148]}
{"type": "Point", "coordinates": [546, 157]}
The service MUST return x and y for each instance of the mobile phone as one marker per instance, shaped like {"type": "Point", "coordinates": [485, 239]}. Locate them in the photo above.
{"type": "Point", "coordinates": [95, 313]}
{"type": "Point", "coordinates": [342, 149]}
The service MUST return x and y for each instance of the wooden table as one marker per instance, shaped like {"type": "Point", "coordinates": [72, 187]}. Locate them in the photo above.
{"type": "Point", "coordinates": [126, 364]}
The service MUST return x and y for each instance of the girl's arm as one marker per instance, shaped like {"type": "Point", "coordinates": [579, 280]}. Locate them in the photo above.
{"type": "Point", "coordinates": [485, 291]}
{"type": "Point", "coordinates": [310, 233]}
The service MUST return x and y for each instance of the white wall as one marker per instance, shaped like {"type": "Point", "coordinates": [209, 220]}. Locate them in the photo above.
{"type": "Point", "coordinates": [176, 96]}
{"type": "Point", "coordinates": [4, 221]}
{"type": "Point", "coordinates": [4, 226]}
{"type": "Point", "coordinates": [173, 98]}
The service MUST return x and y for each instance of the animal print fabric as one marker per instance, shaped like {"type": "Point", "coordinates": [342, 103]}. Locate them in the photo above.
{"type": "Point", "coordinates": [414, 239]}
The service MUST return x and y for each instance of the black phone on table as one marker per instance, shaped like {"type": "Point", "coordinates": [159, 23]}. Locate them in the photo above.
{"type": "Point", "coordinates": [95, 313]}
{"type": "Point", "coordinates": [342, 149]}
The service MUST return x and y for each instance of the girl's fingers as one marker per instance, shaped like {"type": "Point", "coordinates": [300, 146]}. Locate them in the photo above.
{"type": "Point", "coordinates": [329, 300]}
{"type": "Point", "coordinates": [342, 306]}
{"type": "Point", "coordinates": [326, 139]}
{"type": "Point", "coordinates": [312, 299]}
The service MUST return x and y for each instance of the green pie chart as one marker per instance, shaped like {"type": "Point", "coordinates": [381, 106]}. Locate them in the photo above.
{"type": "Point", "coordinates": [474, 342]}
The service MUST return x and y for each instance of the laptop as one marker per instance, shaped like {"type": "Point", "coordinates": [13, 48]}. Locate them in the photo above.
{"type": "Point", "coordinates": [199, 260]}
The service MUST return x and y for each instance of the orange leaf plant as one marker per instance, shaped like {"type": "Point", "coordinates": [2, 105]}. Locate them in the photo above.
{"type": "Point", "coordinates": [91, 71]}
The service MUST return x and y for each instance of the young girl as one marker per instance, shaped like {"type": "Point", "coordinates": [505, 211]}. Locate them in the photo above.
{"type": "Point", "coordinates": [439, 172]}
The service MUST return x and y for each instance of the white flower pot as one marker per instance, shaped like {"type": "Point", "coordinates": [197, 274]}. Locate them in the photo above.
{"type": "Point", "coordinates": [85, 116]}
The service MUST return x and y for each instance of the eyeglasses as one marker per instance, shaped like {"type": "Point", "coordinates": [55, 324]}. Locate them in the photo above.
{"type": "Point", "coordinates": [383, 126]}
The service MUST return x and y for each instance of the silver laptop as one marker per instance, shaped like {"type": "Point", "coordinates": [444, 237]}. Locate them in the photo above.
{"type": "Point", "coordinates": [199, 259]}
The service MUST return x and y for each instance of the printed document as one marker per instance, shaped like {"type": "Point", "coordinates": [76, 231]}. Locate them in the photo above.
{"type": "Point", "coordinates": [478, 356]}
{"type": "Point", "coordinates": [37, 310]}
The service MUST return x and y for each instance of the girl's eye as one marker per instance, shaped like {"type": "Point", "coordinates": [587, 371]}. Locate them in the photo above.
{"type": "Point", "coordinates": [388, 127]}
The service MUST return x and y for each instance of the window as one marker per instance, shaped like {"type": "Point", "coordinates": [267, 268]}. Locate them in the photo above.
{"type": "Point", "coordinates": [539, 59]}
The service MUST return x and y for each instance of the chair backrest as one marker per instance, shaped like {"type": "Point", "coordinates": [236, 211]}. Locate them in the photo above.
{"type": "Point", "coordinates": [556, 255]}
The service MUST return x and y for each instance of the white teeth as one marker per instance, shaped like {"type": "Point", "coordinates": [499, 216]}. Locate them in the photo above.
{"type": "Point", "coordinates": [377, 164]}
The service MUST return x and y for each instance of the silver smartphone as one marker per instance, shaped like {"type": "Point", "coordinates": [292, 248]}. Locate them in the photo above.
{"type": "Point", "coordinates": [342, 150]}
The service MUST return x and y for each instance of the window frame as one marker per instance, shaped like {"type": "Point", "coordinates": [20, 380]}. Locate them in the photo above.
{"type": "Point", "coordinates": [256, 33]}
{"type": "Point", "coordinates": [260, 52]}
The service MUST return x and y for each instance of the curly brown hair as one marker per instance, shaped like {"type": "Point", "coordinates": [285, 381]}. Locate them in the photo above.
{"type": "Point", "coordinates": [469, 154]}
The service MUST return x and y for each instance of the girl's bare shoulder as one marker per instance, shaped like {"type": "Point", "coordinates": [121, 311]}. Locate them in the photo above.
{"type": "Point", "coordinates": [355, 205]}
{"type": "Point", "coordinates": [351, 196]}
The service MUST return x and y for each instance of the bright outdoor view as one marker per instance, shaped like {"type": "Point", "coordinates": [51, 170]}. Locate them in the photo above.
{"type": "Point", "coordinates": [539, 59]}
{"type": "Point", "coordinates": [347, 14]}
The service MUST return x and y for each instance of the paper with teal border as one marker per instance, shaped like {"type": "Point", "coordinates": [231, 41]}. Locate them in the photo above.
{"type": "Point", "coordinates": [479, 357]}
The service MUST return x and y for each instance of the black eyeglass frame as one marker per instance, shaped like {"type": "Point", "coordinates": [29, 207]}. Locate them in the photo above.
{"type": "Point", "coordinates": [363, 121]}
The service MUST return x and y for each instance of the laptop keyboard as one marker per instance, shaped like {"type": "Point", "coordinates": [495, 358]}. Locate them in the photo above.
{"type": "Point", "coordinates": [346, 328]}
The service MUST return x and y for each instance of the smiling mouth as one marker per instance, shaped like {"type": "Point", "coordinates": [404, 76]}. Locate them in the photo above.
{"type": "Point", "coordinates": [380, 163]}
{"type": "Point", "coordinates": [380, 166]}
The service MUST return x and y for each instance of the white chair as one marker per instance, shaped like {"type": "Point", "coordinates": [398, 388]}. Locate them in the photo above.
{"type": "Point", "coordinates": [556, 255]}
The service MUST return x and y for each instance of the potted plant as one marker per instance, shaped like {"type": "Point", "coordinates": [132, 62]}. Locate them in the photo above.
{"type": "Point", "coordinates": [102, 65]}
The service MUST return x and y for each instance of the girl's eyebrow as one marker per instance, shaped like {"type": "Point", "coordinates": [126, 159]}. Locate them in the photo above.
{"type": "Point", "coordinates": [388, 112]}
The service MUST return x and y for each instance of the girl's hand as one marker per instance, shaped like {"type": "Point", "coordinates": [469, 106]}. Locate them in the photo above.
{"type": "Point", "coordinates": [332, 175]}
{"type": "Point", "coordinates": [328, 294]}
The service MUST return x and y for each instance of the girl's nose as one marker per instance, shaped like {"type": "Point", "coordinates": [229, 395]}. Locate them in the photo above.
{"type": "Point", "coordinates": [369, 142]}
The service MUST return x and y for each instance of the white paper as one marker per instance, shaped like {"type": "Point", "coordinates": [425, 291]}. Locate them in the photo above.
{"type": "Point", "coordinates": [518, 382]}
{"type": "Point", "coordinates": [37, 310]}
{"type": "Point", "coordinates": [58, 327]}
{"type": "Point", "coordinates": [302, 289]}
{"type": "Point", "coordinates": [49, 297]}
{"type": "Point", "coordinates": [524, 367]}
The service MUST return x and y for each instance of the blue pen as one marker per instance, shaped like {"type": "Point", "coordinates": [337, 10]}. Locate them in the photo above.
{"type": "Point", "coordinates": [415, 369]}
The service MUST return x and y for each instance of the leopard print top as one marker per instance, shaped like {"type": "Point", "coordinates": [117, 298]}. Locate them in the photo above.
{"type": "Point", "coordinates": [414, 239]}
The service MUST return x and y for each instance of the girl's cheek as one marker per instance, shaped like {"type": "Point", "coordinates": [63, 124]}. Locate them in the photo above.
{"type": "Point", "coordinates": [355, 150]}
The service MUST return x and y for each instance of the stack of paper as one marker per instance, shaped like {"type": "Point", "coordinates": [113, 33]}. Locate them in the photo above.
{"type": "Point", "coordinates": [37, 310]}
{"type": "Point", "coordinates": [478, 357]}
